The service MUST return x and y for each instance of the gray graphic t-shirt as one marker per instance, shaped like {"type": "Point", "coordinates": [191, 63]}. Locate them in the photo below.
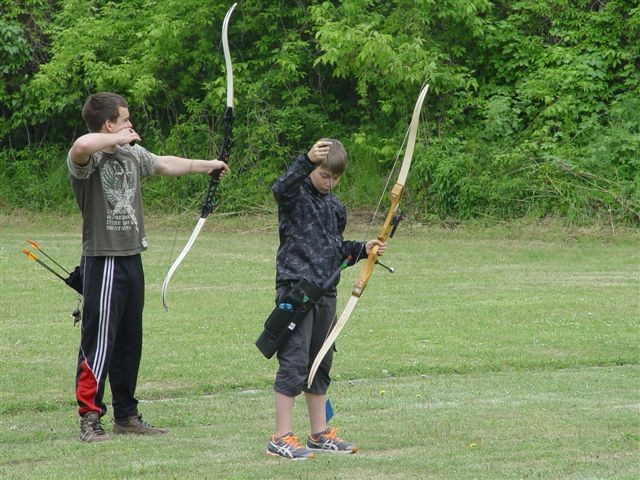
{"type": "Point", "coordinates": [107, 190]}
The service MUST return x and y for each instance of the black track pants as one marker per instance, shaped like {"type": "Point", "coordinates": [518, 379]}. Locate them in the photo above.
{"type": "Point", "coordinates": [111, 341]}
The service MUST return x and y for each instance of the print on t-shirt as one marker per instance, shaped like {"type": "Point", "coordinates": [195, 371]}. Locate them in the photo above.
{"type": "Point", "coordinates": [119, 183]}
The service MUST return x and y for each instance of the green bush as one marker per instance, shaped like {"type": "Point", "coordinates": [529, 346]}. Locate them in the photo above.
{"type": "Point", "coordinates": [532, 111]}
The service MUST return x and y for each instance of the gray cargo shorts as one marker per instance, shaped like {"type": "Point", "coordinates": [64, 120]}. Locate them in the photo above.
{"type": "Point", "coordinates": [298, 353]}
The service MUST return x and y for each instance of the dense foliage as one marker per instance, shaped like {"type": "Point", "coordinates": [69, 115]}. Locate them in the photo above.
{"type": "Point", "coordinates": [534, 107]}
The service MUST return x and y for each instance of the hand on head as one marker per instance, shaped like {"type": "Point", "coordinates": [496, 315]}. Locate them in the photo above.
{"type": "Point", "coordinates": [319, 151]}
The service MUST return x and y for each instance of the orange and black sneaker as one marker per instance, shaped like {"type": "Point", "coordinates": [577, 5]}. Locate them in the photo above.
{"type": "Point", "coordinates": [287, 446]}
{"type": "Point", "coordinates": [328, 441]}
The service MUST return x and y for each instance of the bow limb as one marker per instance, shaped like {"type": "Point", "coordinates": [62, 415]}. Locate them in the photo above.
{"type": "Point", "coordinates": [225, 151]}
{"type": "Point", "coordinates": [183, 253]}
{"type": "Point", "coordinates": [227, 55]}
{"type": "Point", "coordinates": [385, 232]}
{"type": "Point", "coordinates": [331, 338]}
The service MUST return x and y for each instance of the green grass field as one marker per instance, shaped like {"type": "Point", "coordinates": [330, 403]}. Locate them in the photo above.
{"type": "Point", "coordinates": [509, 352]}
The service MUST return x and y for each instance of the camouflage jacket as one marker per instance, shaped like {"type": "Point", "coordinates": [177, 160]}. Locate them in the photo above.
{"type": "Point", "coordinates": [310, 227]}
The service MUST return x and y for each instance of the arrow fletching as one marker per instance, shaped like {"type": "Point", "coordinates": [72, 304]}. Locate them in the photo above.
{"type": "Point", "coordinates": [37, 247]}
{"type": "Point", "coordinates": [31, 256]}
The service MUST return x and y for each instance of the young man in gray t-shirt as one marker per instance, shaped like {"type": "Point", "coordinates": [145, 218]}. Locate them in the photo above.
{"type": "Point", "coordinates": [105, 168]}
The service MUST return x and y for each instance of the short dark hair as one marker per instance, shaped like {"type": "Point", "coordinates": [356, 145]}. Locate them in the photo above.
{"type": "Point", "coordinates": [336, 161]}
{"type": "Point", "coordinates": [101, 107]}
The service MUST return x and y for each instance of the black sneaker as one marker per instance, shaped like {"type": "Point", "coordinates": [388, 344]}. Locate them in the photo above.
{"type": "Point", "coordinates": [91, 429]}
{"type": "Point", "coordinates": [328, 441]}
{"type": "Point", "coordinates": [134, 425]}
{"type": "Point", "coordinates": [287, 446]}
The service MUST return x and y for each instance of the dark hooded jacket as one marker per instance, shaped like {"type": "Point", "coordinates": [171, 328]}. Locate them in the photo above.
{"type": "Point", "coordinates": [311, 225]}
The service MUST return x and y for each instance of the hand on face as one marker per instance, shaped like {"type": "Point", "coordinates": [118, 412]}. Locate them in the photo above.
{"type": "Point", "coordinates": [122, 128]}
{"type": "Point", "coordinates": [130, 136]}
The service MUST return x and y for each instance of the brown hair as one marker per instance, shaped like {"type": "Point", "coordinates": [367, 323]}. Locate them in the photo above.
{"type": "Point", "coordinates": [101, 107]}
{"type": "Point", "coordinates": [336, 161]}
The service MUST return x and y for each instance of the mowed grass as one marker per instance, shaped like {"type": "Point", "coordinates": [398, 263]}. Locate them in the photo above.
{"type": "Point", "coordinates": [506, 352]}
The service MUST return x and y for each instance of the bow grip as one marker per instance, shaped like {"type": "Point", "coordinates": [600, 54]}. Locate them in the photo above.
{"type": "Point", "coordinates": [394, 196]}
{"type": "Point", "coordinates": [366, 272]}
